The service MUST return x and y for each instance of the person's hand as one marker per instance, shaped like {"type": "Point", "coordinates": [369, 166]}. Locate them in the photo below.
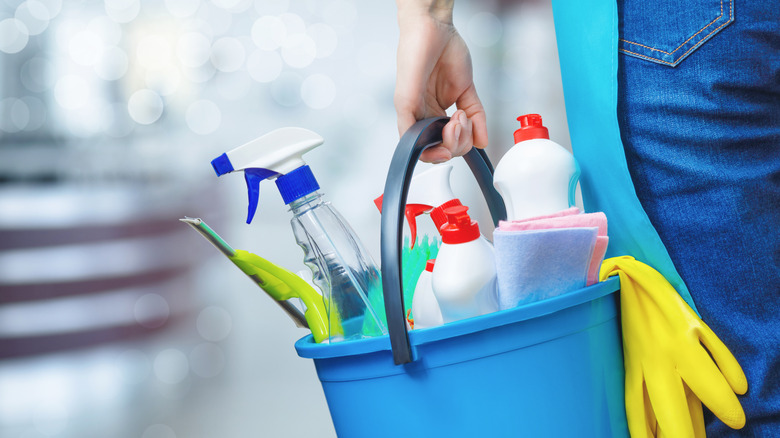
{"type": "Point", "coordinates": [433, 72]}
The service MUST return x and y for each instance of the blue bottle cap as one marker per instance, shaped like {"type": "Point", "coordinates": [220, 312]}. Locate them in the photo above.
{"type": "Point", "coordinates": [296, 184]}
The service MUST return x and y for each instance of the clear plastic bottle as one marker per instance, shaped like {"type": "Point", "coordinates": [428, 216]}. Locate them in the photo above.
{"type": "Point", "coordinates": [341, 267]}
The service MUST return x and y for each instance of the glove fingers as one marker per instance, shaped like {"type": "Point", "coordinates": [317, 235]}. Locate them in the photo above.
{"type": "Point", "coordinates": [706, 381]}
{"type": "Point", "coordinates": [726, 361]}
{"type": "Point", "coordinates": [639, 413]}
{"type": "Point", "coordinates": [697, 413]}
{"type": "Point", "coordinates": [667, 397]}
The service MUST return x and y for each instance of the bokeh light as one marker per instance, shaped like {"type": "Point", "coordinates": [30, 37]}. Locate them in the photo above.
{"type": "Point", "coordinates": [154, 51]}
{"type": "Point", "coordinates": [110, 31]}
{"type": "Point", "coordinates": [53, 6]}
{"type": "Point", "coordinates": [271, 7]}
{"type": "Point", "coordinates": [13, 35]}
{"type": "Point", "coordinates": [484, 29]}
{"type": "Point", "coordinates": [165, 81]}
{"type": "Point", "coordinates": [35, 16]}
{"type": "Point", "coordinates": [193, 49]}
{"type": "Point", "coordinates": [145, 106]}
{"type": "Point", "coordinates": [299, 51]}
{"type": "Point", "coordinates": [264, 66]}
{"type": "Point", "coordinates": [318, 91]}
{"type": "Point", "coordinates": [112, 65]}
{"type": "Point", "coordinates": [214, 323]}
{"type": "Point", "coordinates": [226, 4]}
{"type": "Point", "coordinates": [151, 310]}
{"type": "Point", "coordinates": [171, 366]}
{"type": "Point", "coordinates": [204, 117]}
{"type": "Point", "coordinates": [85, 48]}
{"type": "Point", "coordinates": [35, 75]}
{"type": "Point", "coordinates": [228, 54]}
{"type": "Point", "coordinates": [325, 37]}
{"type": "Point", "coordinates": [70, 91]}
{"type": "Point", "coordinates": [268, 32]}
{"type": "Point", "coordinates": [122, 11]}
{"type": "Point", "coordinates": [37, 110]}
{"type": "Point", "coordinates": [182, 8]}
{"type": "Point", "coordinates": [14, 114]}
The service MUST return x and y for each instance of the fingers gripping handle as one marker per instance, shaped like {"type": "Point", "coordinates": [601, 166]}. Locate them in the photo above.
{"type": "Point", "coordinates": [420, 136]}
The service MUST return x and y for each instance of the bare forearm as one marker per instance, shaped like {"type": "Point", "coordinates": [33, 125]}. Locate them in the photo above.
{"type": "Point", "coordinates": [410, 10]}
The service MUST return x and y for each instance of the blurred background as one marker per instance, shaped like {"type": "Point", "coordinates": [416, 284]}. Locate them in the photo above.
{"type": "Point", "coordinates": [117, 320]}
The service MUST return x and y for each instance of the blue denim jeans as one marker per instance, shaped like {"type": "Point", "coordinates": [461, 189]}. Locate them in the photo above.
{"type": "Point", "coordinates": [699, 115]}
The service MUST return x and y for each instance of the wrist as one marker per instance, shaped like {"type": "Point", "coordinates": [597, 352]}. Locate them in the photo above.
{"type": "Point", "coordinates": [438, 10]}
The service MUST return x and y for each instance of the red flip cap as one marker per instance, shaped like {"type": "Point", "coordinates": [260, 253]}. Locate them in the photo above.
{"type": "Point", "coordinates": [530, 127]}
{"type": "Point", "coordinates": [429, 265]}
{"type": "Point", "coordinates": [459, 228]}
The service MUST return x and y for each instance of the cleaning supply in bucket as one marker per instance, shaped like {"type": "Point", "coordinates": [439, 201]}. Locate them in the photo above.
{"type": "Point", "coordinates": [279, 283]}
{"type": "Point", "coordinates": [536, 176]}
{"type": "Point", "coordinates": [341, 267]}
{"type": "Point", "coordinates": [533, 265]}
{"type": "Point", "coordinates": [413, 262]}
{"type": "Point", "coordinates": [674, 362]}
{"type": "Point", "coordinates": [429, 193]}
{"type": "Point", "coordinates": [570, 218]}
{"type": "Point", "coordinates": [425, 308]}
{"type": "Point", "coordinates": [463, 280]}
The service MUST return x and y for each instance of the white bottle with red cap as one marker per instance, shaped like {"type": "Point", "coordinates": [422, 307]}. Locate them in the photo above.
{"type": "Point", "coordinates": [537, 176]}
{"type": "Point", "coordinates": [463, 280]}
{"type": "Point", "coordinates": [425, 308]}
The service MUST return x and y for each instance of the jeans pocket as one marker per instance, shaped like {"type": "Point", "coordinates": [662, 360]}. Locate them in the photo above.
{"type": "Point", "coordinates": [667, 31]}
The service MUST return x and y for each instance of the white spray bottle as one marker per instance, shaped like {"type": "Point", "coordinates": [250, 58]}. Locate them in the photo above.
{"type": "Point", "coordinates": [464, 278]}
{"type": "Point", "coordinates": [425, 308]}
{"type": "Point", "coordinates": [429, 193]}
{"type": "Point", "coordinates": [537, 176]}
{"type": "Point", "coordinates": [341, 267]}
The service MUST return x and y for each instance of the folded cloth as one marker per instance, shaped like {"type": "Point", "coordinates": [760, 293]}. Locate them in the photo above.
{"type": "Point", "coordinates": [568, 212]}
{"type": "Point", "coordinates": [532, 265]}
{"type": "Point", "coordinates": [570, 219]}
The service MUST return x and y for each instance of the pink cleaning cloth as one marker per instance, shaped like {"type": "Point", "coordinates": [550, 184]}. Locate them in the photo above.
{"type": "Point", "coordinates": [568, 212]}
{"type": "Point", "coordinates": [570, 218]}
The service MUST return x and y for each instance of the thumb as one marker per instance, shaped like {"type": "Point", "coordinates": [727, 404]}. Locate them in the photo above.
{"type": "Point", "coordinates": [470, 104]}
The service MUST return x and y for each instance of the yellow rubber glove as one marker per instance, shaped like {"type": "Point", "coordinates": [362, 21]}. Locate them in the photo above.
{"type": "Point", "coordinates": [669, 373]}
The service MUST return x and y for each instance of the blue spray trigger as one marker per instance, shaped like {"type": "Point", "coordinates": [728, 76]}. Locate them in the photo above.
{"type": "Point", "coordinates": [253, 177]}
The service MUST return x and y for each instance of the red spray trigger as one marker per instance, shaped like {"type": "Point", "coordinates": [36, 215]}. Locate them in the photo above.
{"type": "Point", "coordinates": [411, 212]}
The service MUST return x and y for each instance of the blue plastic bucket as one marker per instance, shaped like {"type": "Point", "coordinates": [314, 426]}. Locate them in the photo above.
{"type": "Point", "coordinates": [548, 369]}
{"type": "Point", "coordinates": [552, 368]}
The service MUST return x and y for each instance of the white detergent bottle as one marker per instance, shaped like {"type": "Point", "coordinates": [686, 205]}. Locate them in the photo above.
{"type": "Point", "coordinates": [463, 280]}
{"type": "Point", "coordinates": [537, 176]}
{"type": "Point", "coordinates": [425, 308]}
{"type": "Point", "coordinates": [341, 267]}
{"type": "Point", "coordinates": [429, 193]}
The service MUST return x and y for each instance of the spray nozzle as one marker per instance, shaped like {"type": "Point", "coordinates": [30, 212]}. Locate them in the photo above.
{"type": "Point", "coordinates": [276, 155]}
{"type": "Point", "coordinates": [430, 193]}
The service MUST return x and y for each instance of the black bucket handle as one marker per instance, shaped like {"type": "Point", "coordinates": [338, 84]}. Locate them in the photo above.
{"type": "Point", "coordinates": [422, 135]}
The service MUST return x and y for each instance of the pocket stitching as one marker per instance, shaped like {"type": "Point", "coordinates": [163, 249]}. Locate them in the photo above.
{"type": "Point", "coordinates": [731, 8]}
